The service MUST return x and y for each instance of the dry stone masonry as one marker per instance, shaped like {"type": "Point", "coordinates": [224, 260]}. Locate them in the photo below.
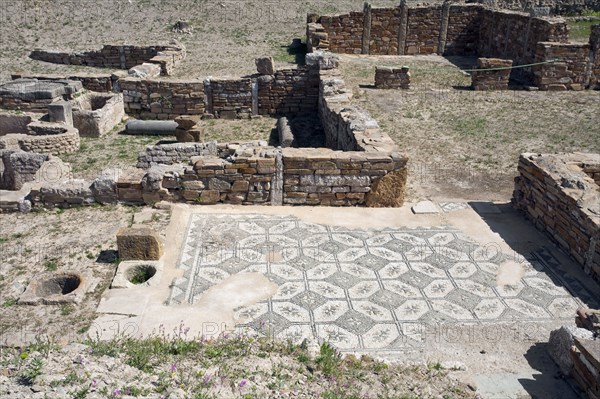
{"type": "Point", "coordinates": [464, 29]}
{"type": "Point", "coordinates": [494, 74]}
{"type": "Point", "coordinates": [96, 114]}
{"type": "Point", "coordinates": [392, 78]}
{"type": "Point", "coordinates": [560, 194]}
{"type": "Point", "coordinates": [123, 57]}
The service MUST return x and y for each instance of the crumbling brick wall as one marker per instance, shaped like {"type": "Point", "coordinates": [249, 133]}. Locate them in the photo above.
{"type": "Point", "coordinates": [561, 199]}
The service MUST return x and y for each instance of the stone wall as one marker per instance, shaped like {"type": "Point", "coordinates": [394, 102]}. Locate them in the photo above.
{"type": "Point", "coordinates": [557, 193]}
{"type": "Point", "coordinates": [385, 24]}
{"type": "Point", "coordinates": [344, 32]}
{"type": "Point", "coordinates": [229, 98]}
{"type": "Point", "coordinates": [557, 7]}
{"type": "Point", "coordinates": [450, 29]}
{"type": "Point", "coordinates": [493, 76]}
{"type": "Point", "coordinates": [595, 55]}
{"type": "Point", "coordinates": [288, 91]}
{"type": "Point", "coordinates": [44, 138]}
{"type": "Point", "coordinates": [18, 167]}
{"type": "Point", "coordinates": [513, 35]}
{"type": "Point", "coordinates": [102, 82]}
{"type": "Point", "coordinates": [570, 71]}
{"type": "Point", "coordinates": [112, 56]}
{"type": "Point", "coordinates": [162, 99]}
{"type": "Point", "coordinates": [326, 177]}
{"type": "Point", "coordinates": [97, 114]}
{"type": "Point", "coordinates": [392, 78]}
{"type": "Point", "coordinates": [168, 154]}
{"type": "Point", "coordinates": [462, 33]}
{"type": "Point", "coordinates": [424, 25]}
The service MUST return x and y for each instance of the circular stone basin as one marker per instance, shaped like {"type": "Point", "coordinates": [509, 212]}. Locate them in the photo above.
{"type": "Point", "coordinates": [58, 285]}
{"type": "Point", "coordinates": [140, 274]}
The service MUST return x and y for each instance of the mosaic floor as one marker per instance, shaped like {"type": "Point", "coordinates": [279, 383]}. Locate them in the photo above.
{"type": "Point", "coordinates": [366, 289]}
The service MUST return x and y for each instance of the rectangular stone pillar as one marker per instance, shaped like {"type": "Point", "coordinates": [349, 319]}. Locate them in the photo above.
{"type": "Point", "coordinates": [444, 27]}
{"type": "Point", "coordinates": [366, 38]}
{"type": "Point", "coordinates": [402, 29]}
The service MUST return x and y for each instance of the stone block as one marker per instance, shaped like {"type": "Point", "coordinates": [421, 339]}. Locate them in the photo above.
{"type": "Point", "coordinates": [195, 135]}
{"type": "Point", "coordinates": [265, 66]}
{"type": "Point", "coordinates": [139, 243]}
{"type": "Point", "coordinates": [187, 122]}
{"type": "Point", "coordinates": [61, 112]}
{"type": "Point", "coordinates": [209, 197]}
{"type": "Point", "coordinates": [145, 70]}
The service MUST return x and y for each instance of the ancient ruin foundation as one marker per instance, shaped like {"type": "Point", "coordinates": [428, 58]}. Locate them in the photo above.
{"type": "Point", "coordinates": [561, 196]}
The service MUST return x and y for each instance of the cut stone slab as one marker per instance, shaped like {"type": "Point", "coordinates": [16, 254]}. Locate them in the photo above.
{"type": "Point", "coordinates": [485, 207]}
{"type": "Point", "coordinates": [425, 207]}
{"type": "Point", "coordinates": [145, 70]}
{"type": "Point", "coordinates": [61, 112]}
{"type": "Point", "coordinates": [57, 288]}
{"type": "Point", "coordinates": [139, 243]}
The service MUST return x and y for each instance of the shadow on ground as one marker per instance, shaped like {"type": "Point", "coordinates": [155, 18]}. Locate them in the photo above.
{"type": "Point", "coordinates": [549, 384]}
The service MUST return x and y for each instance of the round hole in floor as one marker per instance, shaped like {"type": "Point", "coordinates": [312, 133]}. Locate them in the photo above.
{"type": "Point", "coordinates": [140, 274]}
{"type": "Point", "coordinates": [58, 285]}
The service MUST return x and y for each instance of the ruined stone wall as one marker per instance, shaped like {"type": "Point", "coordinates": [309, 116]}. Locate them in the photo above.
{"type": "Point", "coordinates": [44, 138]}
{"type": "Point", "coordinates": [168, 154]}
{"type": "Point", "coordinates": [392, 78]}
{"type": "Point", "coordinates": [344, 32]}
{"type": "Point", "coordinates": [459, 29]}
{"type": "Point", "coordinates": [111, 56]}
{"type": "Point", "coordinates": [569, 72]}
{"type": "Point", "coordinates": [494, 74]}
{"type": "Point", "coordinates": [424, 24]}
{"type": "Point", "coordinates": [18, 168]}
{"type": "Point", "coordinates": [462, 35]}
{"type": "Point", "coordinates": [595, 55]}
{"type": "Point", "coordinates": [513, 35]}
{"type": "Point", "coordinates": [161, 99]}
{"type": "Point", "coordinates": [288, 92]}
{"type": "Point", "coordinates": [385, 23]}
{"type": "Point", "coordinates": [229, 98]}
{"type": "Point", "coordinates": [556, 7]}
{"type": "Point", "coordinates": [97, 82]}
{"type": "Point", "coordinates": [561, 199]}
{"type": "Point", "coordinates": [332, 178]}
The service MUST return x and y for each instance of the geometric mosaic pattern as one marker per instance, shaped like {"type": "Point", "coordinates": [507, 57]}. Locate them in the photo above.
{"type": "Point", "coordinates": [364, 289]}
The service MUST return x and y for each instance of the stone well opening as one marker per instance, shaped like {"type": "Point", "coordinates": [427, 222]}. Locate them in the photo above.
{"type": "Point", "coordinates": [140, 274]}
{"type": "Point", "coordinates": [57, 285]}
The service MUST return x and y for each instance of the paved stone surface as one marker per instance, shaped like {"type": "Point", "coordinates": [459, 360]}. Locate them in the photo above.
{"type": "Point", "coordinates": [453, 206]}
{"type": "Point", "coordinates": [425, 207]}
{"type": "Point", "coordinates": [365, 289]}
